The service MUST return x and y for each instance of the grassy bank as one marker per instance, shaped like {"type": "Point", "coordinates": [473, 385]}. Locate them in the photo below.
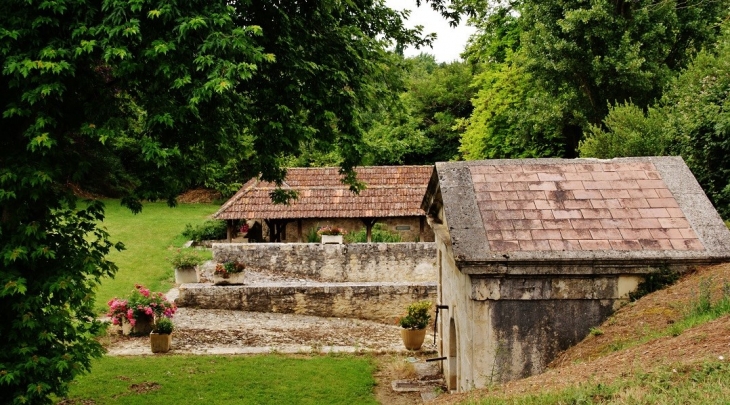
{"type": "Point", "coordinates": [210, 380]}
{"type": "Point", "coordinates": [706, 383]}
{"type": "Point", "coordinates": [147, 237]}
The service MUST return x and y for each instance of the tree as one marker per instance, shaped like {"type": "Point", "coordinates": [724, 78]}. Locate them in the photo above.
{"type": "Point", "coordinates": [420, 128]}
{"type": "Point", "coordinates": [692, 119]}
{"type": "Point", "coordinates": [511, 118]}
{"type": "Point", "coordinates": [150, 97]}
{"type": "Point", "coordinates": [508, 120]}
{"type": "Point", "coordinates": [592, 54]}
{"type": "Point", "coordinates": [552, 69]}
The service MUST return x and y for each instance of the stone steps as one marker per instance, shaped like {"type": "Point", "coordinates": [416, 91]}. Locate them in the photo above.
{"type": "Point", "coordinates": [377, 301]}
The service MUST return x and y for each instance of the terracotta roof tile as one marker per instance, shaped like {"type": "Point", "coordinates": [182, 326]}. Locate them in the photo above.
{"type": "Point", "coordinates": [392, 191]}
{"type": "Point", "coordinates": [601, 206]}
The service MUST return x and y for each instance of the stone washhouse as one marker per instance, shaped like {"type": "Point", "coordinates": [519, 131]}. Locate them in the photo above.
{"type": "Point", "coordinates": [392, 197]}
{"type": "Point", "coordinates": [533, 253]}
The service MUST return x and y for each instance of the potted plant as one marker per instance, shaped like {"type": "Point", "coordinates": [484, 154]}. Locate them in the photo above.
{"type": "Point", "coordinates": [414, 324]}
{"type": "Point", "coordinates": [136, 314]}
{"type": "Point", "coordinates": [331, 234]}
{"type": "Point", "coordinates": [161, 335]}
{"type": "Point", "coordinates": [184, 262]}
{"type": "Point", "coordinates": [229, 272]}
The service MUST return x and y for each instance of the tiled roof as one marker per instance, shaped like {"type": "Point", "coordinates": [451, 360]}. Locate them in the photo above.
{"type": "Point", "coordinates": [591, 206]}
{"type": "Point", "coordinates": [621, 211]}
{"type": "Point", "coordinates": [392, 191]}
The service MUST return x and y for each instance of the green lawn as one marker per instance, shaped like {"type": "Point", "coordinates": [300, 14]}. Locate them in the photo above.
{"type": "Point", "coordinates": [147, 236]}
{"type": "Point", "coordinates": [269, 379]}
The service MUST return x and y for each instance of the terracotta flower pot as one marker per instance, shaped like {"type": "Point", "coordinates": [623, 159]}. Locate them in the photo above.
{"type": "Point", "coordinates": [413, 338]}
{"type": "Point", "coordinates": [160, 343]}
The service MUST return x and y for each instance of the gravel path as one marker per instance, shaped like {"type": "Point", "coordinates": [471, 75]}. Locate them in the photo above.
{"type": "Point", "coordinates": [217, 331]}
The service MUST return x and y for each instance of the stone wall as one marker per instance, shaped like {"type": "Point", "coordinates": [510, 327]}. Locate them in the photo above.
{"type": "Point", "coordinates": [356, 262]}
{"type": "Point", "coordinates": [381, 302]}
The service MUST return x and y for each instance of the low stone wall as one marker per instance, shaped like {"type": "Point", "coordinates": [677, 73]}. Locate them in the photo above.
{"type": "Point", "coordinates": [356, 262]}
{"type": "Point", "coordinates": [382, 302]}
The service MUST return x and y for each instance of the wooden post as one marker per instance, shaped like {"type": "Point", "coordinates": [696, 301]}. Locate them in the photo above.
{"type": "Point", "coordinates": [422, 227]}
{"type": "Point", "coordinates": [271, 225]}
{"type": "Point", "coordinates": [229, 230]}
{"type": "Point", "coordinates": [369, 222]}
{"type": "Point", "coordinates": [281, 231]}
{"type": "Point", "coordinates": [299, 230]}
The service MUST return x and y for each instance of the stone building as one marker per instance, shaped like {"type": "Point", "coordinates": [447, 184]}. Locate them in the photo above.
{"type": "Point", "coordinates": [392, 198]}
{"type": "Point", "coordinates": [533, 253]}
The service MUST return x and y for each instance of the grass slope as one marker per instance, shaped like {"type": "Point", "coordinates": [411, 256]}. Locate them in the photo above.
{"type": "Point", "coordinates": [210, 380]}
{"type": "Point", "coordinates": [146, 236]}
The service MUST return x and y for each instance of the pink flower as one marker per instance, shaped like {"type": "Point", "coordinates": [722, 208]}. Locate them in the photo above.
{"type": "Point", "coordinates": [115, 321]}
{"type": "Point", "coordinates": [132, 321]}
{"type": "Point", "coordinates": [148, 311]}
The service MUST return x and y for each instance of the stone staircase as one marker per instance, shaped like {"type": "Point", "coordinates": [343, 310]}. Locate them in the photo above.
{"type": "Point", "coordinates": [362, 281]}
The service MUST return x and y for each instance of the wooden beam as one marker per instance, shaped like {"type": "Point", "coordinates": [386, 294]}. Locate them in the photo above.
{"type": "Point", "coordinates": [229, 230]}
{"type": "Point", "coordinates": [369, 223]}
{"type": "Point", "coordinates": [299, 230]}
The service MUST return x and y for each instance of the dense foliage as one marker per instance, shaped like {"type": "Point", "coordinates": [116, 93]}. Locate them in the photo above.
{"type": "Point", "coordinates": [142, 99]}
{"type": "Point", "coordinates": [418, 127]}
{"type": "Point", "coordinates": [416, 124]}
{"type": "Point", "coordinates": [554, 68]}
{"type": "Point", "coordinates": [692, 119]}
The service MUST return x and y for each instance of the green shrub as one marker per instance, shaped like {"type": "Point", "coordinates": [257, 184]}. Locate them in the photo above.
{"type": "Point", "coordinates": [163, 326]}
{"type": "Point", "coordinates": [182, 258]}
{"type": "Point", "coordinates": [417, 315]}
{"type": "Point", "coordinates": [208, 230]}
{"type": "Point", "coordinates": [655, 282]}
{"type": "Point", "coordinates": [380, 234]}
{"type": "Point", "coordinates": [627, 131]}
{"type": "Point", "coordinates": [313, 236]}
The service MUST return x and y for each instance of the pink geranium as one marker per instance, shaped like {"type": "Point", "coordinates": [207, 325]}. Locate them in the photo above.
{"type": "Point", "coordinates": [141, 304]}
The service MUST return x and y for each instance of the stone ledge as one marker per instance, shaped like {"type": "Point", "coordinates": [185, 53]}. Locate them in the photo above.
{"type": "Point", "coordinates": [382, 302]}
{"type": "Point", "coordinates": [413, 262]}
